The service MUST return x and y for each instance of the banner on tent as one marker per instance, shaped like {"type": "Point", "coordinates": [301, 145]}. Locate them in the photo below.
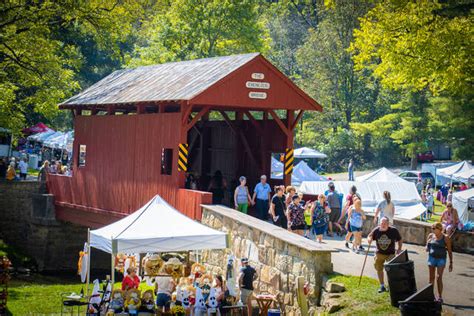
{"type": "Point", "coordinates": [183, 150]}
{"type": "Point", "coordinates": [289, 161]}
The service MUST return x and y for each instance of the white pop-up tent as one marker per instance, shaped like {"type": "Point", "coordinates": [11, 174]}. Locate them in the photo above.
{"type": "Point", "coordinates": [446, 175]}
{"type": "Point", "coordinates": [382, 174]}
{"type": "Point", "coordinates": [156, 227]}
{"type": "Point", "coordinates": [276, 168]}
{"type": "Point", "coordinates": [305, 152]}
{"type": "Point", "coordinates": [462, 201]}
{"type": "Point", "coordinates": [466, 176]}
{"type": "Point", "coordinates": [302, 172]}
{"type": "Point", "coordinates": [404, 195]}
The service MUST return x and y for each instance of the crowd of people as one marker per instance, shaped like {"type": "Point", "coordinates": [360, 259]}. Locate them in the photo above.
{"type": "Point", "coordinates": [330, 213]}
{"type": "Point", "coordinates": [14, 169]}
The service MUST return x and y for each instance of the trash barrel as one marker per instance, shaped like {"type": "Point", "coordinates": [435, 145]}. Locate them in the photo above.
{"type": "Point", "coordinates": [421, 303]}
{"type": "Point", "coordinates": [274, 312]}
{"type": "Point", "coordinates": [401, 278]}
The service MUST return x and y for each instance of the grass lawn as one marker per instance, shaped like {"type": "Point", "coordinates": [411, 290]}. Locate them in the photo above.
{"type": "Point", "coordinates": [33, 172]}
{"type": "Point", "coordinates": [41, 295]}
{"type": "Point", "coordinates": [363, 299]}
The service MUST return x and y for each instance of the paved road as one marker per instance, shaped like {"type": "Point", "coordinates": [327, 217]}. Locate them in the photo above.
{"type": "Point", "coordinates": [458, 285]}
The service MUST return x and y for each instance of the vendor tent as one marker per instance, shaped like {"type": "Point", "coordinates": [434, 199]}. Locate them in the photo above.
{"type": "Point", "coordinates": [445, 175]}
{"type": "Point", "coordinates": [59, 140]}
{"type": "Point", "coordinates": [382, 174]}
{"type": "Point", "coordinates": [466, 176]}
{"type": "Point", "coordinates": [156, 227]}
{"type": "Point", "coordinates": [37, 128]}
{"type": "Point", "coordinates": [40, 137]}
{"type": "Point", "coordinates": [462, 201]}
{"type": "Point", "coordinates": [276, 167]}
{"type": "Point", "coordinates": [404, 195]}
{"type": "Point", "coordinates": [305, 152]}
{"type": "Point", "coordinates": [302, 172]}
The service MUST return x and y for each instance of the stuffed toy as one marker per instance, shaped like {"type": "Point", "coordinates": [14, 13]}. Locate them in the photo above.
{"type": "Point", "coordinates": [200, 305]}
{"type": "Point", "coordinates": [183, 283]}
{"type": "Point", "coordinates": [230, 276]}
{"type": "Point", "coordinates": [94, 300]}
{"type": "Point", "coordinates": [191, 294]}
{"type": "Point", "coordinates": [174, 268]}
{"type": "Point", "coordinates": [133, 303]}
{"type": "Point", "coordinates": [148, 303]}
{"type": "Point", "coordinates": [120, 262]}
{"type": "Point", "coordinates": [117, 301]}
{"type": "Point", "coordinates": [205, 283]}
{"type": "Point", "coordinates": [197, 270]}
{"type": "Point", "coordinates": [130, 262]}
{"type": "Point", "coordinates": [212, 303]}
{"type": "Point", "coordinates": [152, 265]}
{"type": "Point", "coordinates": [185, 300]}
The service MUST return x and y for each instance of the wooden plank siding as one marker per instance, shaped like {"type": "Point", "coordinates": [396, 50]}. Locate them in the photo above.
{"type": "Point", "coordinates": [123, 168]}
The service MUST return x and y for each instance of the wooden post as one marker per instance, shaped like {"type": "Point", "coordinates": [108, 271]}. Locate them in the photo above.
{"type": "Point", "coordinates": [88, 278]}
{"type": "Point", "coordinates": [183, 139]}
{"type": "Point", "coordinates": [289, 141]}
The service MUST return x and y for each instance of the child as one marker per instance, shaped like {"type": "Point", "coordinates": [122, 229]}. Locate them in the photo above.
{"type": "Point", "coordinates": [430, 204]}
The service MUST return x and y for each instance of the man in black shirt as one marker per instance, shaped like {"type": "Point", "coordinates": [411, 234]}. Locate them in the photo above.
{"type": "Point", "coordinates": [246, 277]}
{"type": "Point", "coordinates": [385, 238]}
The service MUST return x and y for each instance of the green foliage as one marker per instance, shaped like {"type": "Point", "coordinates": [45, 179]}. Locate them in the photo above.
{"type": "Point", "coordinates": [418, 45]}
{"type": "Point", "coordinates": [38, 68]}
{"type": "Point", "coordinates": [190, 29]}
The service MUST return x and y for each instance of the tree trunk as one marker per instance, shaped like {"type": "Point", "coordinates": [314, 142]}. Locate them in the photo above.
{"type": "Point", "coordinates": [413, 162]}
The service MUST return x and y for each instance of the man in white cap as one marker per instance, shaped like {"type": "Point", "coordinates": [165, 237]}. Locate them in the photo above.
{"type": "Point", "coordinates": [261, 197]}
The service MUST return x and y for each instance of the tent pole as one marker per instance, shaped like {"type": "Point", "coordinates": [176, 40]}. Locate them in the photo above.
{"type": "Point", "coordinates": [88, 278]}
{"type": "Point", "coordinates": [112, 274]}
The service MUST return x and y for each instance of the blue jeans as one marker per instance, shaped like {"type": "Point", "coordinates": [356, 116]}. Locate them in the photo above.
{"type": "Point", "coordinates": [351, 175]}
{"type": "Point", "coordinates": [436, 262]}
{"type": "Point", "coordinates": [262, 209]}
{"type": "Point", "coordinates": [163, 299]}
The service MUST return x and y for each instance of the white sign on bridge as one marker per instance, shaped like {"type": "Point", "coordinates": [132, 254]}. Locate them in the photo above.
{"type": "Point", "coordinates": [258, 76]}
{"type": "Point", "coordinates": [257, 85]}
{"type": "Point", "coordinates": [257, 95]}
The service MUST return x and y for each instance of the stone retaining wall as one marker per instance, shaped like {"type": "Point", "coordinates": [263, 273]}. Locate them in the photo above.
{"type": "Point", "coordinates": [416, 232]}
{"type": "Point", "coordinates": [278, 256]}
{"type": "Point", "coordinates": [27, 221]}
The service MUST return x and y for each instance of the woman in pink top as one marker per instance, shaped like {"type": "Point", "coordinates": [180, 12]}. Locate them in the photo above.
{"type": "Point", "coordinates": [450, 219]}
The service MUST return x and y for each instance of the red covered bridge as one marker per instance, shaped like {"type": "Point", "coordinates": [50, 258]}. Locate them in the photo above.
{"type": "Point", "coordinates": [229, 113]}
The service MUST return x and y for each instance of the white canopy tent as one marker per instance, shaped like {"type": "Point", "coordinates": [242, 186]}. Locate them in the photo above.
{"type": "Point", "coordinates": [382, 174]}
{"type": "Point", "coordinates": [462, 200]}
{"type": "Point", "coordinates": [305, 152]}
{"type": "Point", "coordinates": [466, 176]}
{"type": "Point", "coordinates": [156, 227]}
{"type": "Point", "coordinates": [40, 137]}
{"type": "Point", "coordinates": [302, 172]}
{"type": "Point", "coordinates": [404, 195]}
{"type": "Point", "coordinates": [276, 168]}
{"type": "Point", "coordinates": [445, 175]}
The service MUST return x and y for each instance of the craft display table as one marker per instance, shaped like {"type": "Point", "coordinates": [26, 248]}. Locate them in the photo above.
{"type": "Point", "coordinates": [264, 302]}
{"type": "Point", "coordinates": [235, 308]}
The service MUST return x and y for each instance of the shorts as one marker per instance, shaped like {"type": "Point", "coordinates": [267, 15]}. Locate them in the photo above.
{"type": "Point", "coordinates": [163, 299]}
{"type": "Point", "coordinates": [430, 209]}
{"type": "Point", "coordinates": [245, 294]}
{"type": "Point", "coordinates": [334, 215]}
{"type": "Point", "coordinates": [436, 262]}
{"type": "Point", "coordinates": [355, 229]}
{"type": "Point", "coordinates": [243, 207]}
{"type": "Point", "coordinates": [380, 259]}
{"type": "Point", "coordinates": [319, 230]}
{"type": "Point", "coordinates": [298, 227]}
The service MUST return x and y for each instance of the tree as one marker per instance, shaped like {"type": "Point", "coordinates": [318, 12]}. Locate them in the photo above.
{"type": "Point", "coordinates": [190, 29]}
{"type": "Point", "coordinates": [37, 66]}
{"type": "Point", "coordinates": [418, 44]}
{"type": "Point", "coordinates": [423, 48]}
